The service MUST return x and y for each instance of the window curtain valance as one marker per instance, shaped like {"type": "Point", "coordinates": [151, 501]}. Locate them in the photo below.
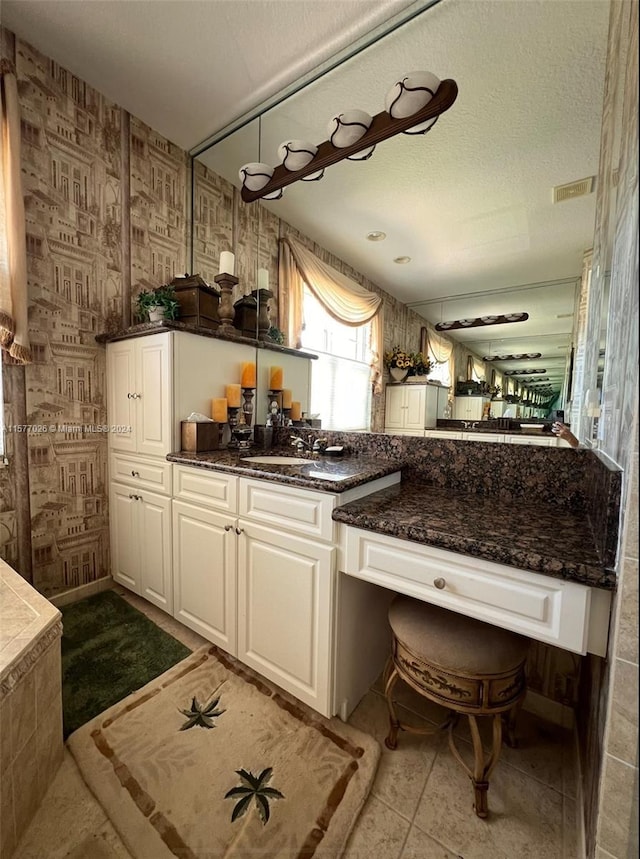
{"type": "Point", "coordinates": [343, 298]}
{"type": "Point", "coordinates": [14, 335]}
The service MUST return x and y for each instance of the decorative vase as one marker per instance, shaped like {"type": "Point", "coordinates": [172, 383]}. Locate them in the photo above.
{"type": "Point", "coordinates": [156, 314]}
{"type": "Point", "coordinates": [398, 373]}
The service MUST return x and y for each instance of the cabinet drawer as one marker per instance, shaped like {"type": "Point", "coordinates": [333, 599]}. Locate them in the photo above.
{"type": "Point", "coordinates": [202, 486]}
{"type": "Point", "coordinates": [541, 441]}
{"type": "Point", "coordinates": [532, 604]}
{"type": "Point", "coordinates": [154, 474]}
{"type": "Point", "coordinates": [301, 510]}
{"type": "Point", "coordinates": [494, 437]}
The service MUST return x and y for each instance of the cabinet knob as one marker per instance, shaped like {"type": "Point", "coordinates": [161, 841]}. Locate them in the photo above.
{"type": "Point", "coordinates": [239, 531]}
{"type": "Point", "coordinates": [439, 583]}
{"type": "Point", "coordinates": [135, 474]}
{"type": "Point", "coordinates": [136, 497]}
{"type": "Point", "coordinates": [228, 527]}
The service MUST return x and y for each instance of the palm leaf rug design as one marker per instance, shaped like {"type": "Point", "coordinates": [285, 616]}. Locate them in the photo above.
{"type": "Point", "coordinates": [164, 777]}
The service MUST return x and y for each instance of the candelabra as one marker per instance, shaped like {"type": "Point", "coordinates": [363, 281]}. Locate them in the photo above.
{"type": "Point", "coordinates": [275, 408]}
{"type": "Point", "coordinates": [247, 406]}
{"type": "Point", "coordinates": [226, 310]}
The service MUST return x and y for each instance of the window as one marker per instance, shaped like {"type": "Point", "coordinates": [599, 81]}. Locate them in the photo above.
{"type": "Point", "coordinates": [341, 377]}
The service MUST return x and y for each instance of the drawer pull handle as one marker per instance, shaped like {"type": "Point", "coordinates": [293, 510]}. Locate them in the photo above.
{"type": "Point", "coordinates": [439, 583]}
{"type": "Point", "coordinates": [136, 497]}
{"type": "Point", "coordinates": [228, 527]}
{"type": "Point", "coordinates": [135, 474]}
{"type": "Point", "coordinates": [239, 531]}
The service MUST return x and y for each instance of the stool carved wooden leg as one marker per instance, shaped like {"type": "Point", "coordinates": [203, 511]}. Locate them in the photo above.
{"type": "Point", "coordinates": [469, 667]}
{"type": "Point", "coordinates": [482, 768]}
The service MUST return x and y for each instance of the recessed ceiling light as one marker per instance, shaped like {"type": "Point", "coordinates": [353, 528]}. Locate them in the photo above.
{"type": "Point", "coordinates": [402, 260]}
{"type": "Point", "coordinates": [376, 236]}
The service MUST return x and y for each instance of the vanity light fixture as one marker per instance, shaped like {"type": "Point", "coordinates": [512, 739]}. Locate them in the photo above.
{"type": "Point", "coordinates": [522, 372]}
{"type": "Point", "coordinates": [376, 236]}
{"type": "Point", "coordinates": [479, 321]}
{"type": "Point", "coordinates": [521, 356]}
{"type": "Point", "coordinates": [402, 260]}
{"type": "Point", "coordinates": [354, 134]}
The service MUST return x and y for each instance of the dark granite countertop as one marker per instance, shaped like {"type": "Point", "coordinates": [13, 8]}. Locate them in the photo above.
{"type": "Point", "coordinates": [327, 474]}
{"type": "Point", "coordinates": [540, 538]}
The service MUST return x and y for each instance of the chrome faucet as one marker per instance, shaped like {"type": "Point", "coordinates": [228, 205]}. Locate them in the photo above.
{"type": "Point", "coordinates": [300, 444]}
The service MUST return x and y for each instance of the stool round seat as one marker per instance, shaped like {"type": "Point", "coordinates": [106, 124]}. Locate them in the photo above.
{"type": "Point", "coordinates": [468, 666]}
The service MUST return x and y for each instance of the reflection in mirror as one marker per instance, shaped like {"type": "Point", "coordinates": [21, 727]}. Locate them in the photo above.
{"type": "Point", "coordinates": [471, 204]}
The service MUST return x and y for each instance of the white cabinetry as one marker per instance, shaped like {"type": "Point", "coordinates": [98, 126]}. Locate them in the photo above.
{"type": "Point", "coordinates": [469, 408]}
{"type": "Point", "coordinates": [565, 614]}
{"type": "Point", "coordinates": [254, 571]}
{"type": "Point", "coordinates": [152, 383]}
{"type": "Point", "coordinates": [141, 542]}
{"type": "Point", "coordinates": [410, 408]}
{"type": "Point", "coordinates": [139, 384]}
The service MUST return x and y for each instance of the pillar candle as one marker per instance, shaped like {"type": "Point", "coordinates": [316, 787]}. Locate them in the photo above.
{"type": "Point", "coordinates": [296, 411]}
{"type": "Point", "coordinates": [263, 278]}
{"type": "Point", "coordinates": [227, 262]}
{"type": "Point", "coordinates": [219, 410]}
{"type": "Point", "coordinates": [248, 377]}
{"type": "Point", "coordinates": [275, 379]}
{"type": "Point", "coordinates": [233, 395]}
{"type": "Point", "coordinates": [286, 399]}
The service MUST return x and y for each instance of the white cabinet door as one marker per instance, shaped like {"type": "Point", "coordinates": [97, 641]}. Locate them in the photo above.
{"type": "Point", "coordinates": [204, 573]}
{"type": "Point", "coordinates": [154, 406]}
{"type": "Point", "coordinates": [125, 548]}
{"type": "Point", "coordinates": [410, 408]}
{"type": "Point", "coordinates": [285, 588]}
{"type": "Point", "coordinates": [155, 549]}
{"type": "Point", "coordinates": [121, 388]}
{"type": "Point", "coordinates": [469, 408]}
{"type": "Point", "coordinates": [394, 407]}
{"type": "Point", "coordinates": [415, 406]}
{"type": "Point", "coordinates": [141, 543]}
{"type": "Point", "coordinates": [139, 394]}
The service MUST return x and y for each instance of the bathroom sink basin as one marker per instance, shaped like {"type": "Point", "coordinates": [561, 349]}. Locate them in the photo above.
{"type": "Point", "coordinates": [276, 460]}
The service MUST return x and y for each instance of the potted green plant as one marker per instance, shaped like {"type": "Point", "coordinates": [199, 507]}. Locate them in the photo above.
{"type": "Point", "coordinates": [159, 303]}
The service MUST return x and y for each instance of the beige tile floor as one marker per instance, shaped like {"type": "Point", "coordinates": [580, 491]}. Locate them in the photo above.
{"type": "Point", "coordinates": [420, 806]}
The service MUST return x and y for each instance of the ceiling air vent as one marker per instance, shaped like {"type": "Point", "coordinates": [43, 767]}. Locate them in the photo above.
{"type": "Point", "coordinates": [573, 189]}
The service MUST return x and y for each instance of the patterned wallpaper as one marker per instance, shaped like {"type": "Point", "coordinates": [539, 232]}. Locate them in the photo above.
{"type": "Point", "coordinates": [78, 164]}
{"type": "Point", "coordinates": [89, 256]}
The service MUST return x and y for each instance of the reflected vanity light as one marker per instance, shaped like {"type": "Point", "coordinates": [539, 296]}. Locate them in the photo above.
{"type": "Point", "coordinates": [402, 260]}
{"type": "Point", "coordinates": [353, 135]}
{"type": "Point", "coordinates": [520, 356]}
{"type": "Point", "coordinates": [376, 236]}
{"type": "Point", "coordinates": [522, 372]}
{"type": "Point", "coordinates": [479, 321]}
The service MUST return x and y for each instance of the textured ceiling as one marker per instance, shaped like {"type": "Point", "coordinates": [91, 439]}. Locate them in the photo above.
{"type": "Point", "coordinates": [189, 67]}
{"type": "Point", "coordinates": [470, 203]}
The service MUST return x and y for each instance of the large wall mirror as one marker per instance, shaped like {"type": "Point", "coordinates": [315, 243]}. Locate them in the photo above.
{"type": "Point", "coordinates": [489, 207]}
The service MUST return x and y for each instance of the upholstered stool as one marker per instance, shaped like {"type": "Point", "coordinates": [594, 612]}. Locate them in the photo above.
{"type": "Point", "coordinates": [465, 665]}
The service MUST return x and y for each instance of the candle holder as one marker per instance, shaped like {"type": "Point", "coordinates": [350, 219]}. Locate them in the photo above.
{"type": "Point", "coordinates": [241, 437]}
{"type": "Point", "coordinates": [226, 310]}
{"type": "Point", "coordinates": [275, 407]}
{"type": "Point", "coordinates": [247, 406]}
{"type": "Point", "coordinates": [232, 416]}
{"type": "Point", "coordinates": [262, 297]}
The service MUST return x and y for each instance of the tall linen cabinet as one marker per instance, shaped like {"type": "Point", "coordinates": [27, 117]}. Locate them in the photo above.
{"type": "Point", "coordinates": [154, 382]}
